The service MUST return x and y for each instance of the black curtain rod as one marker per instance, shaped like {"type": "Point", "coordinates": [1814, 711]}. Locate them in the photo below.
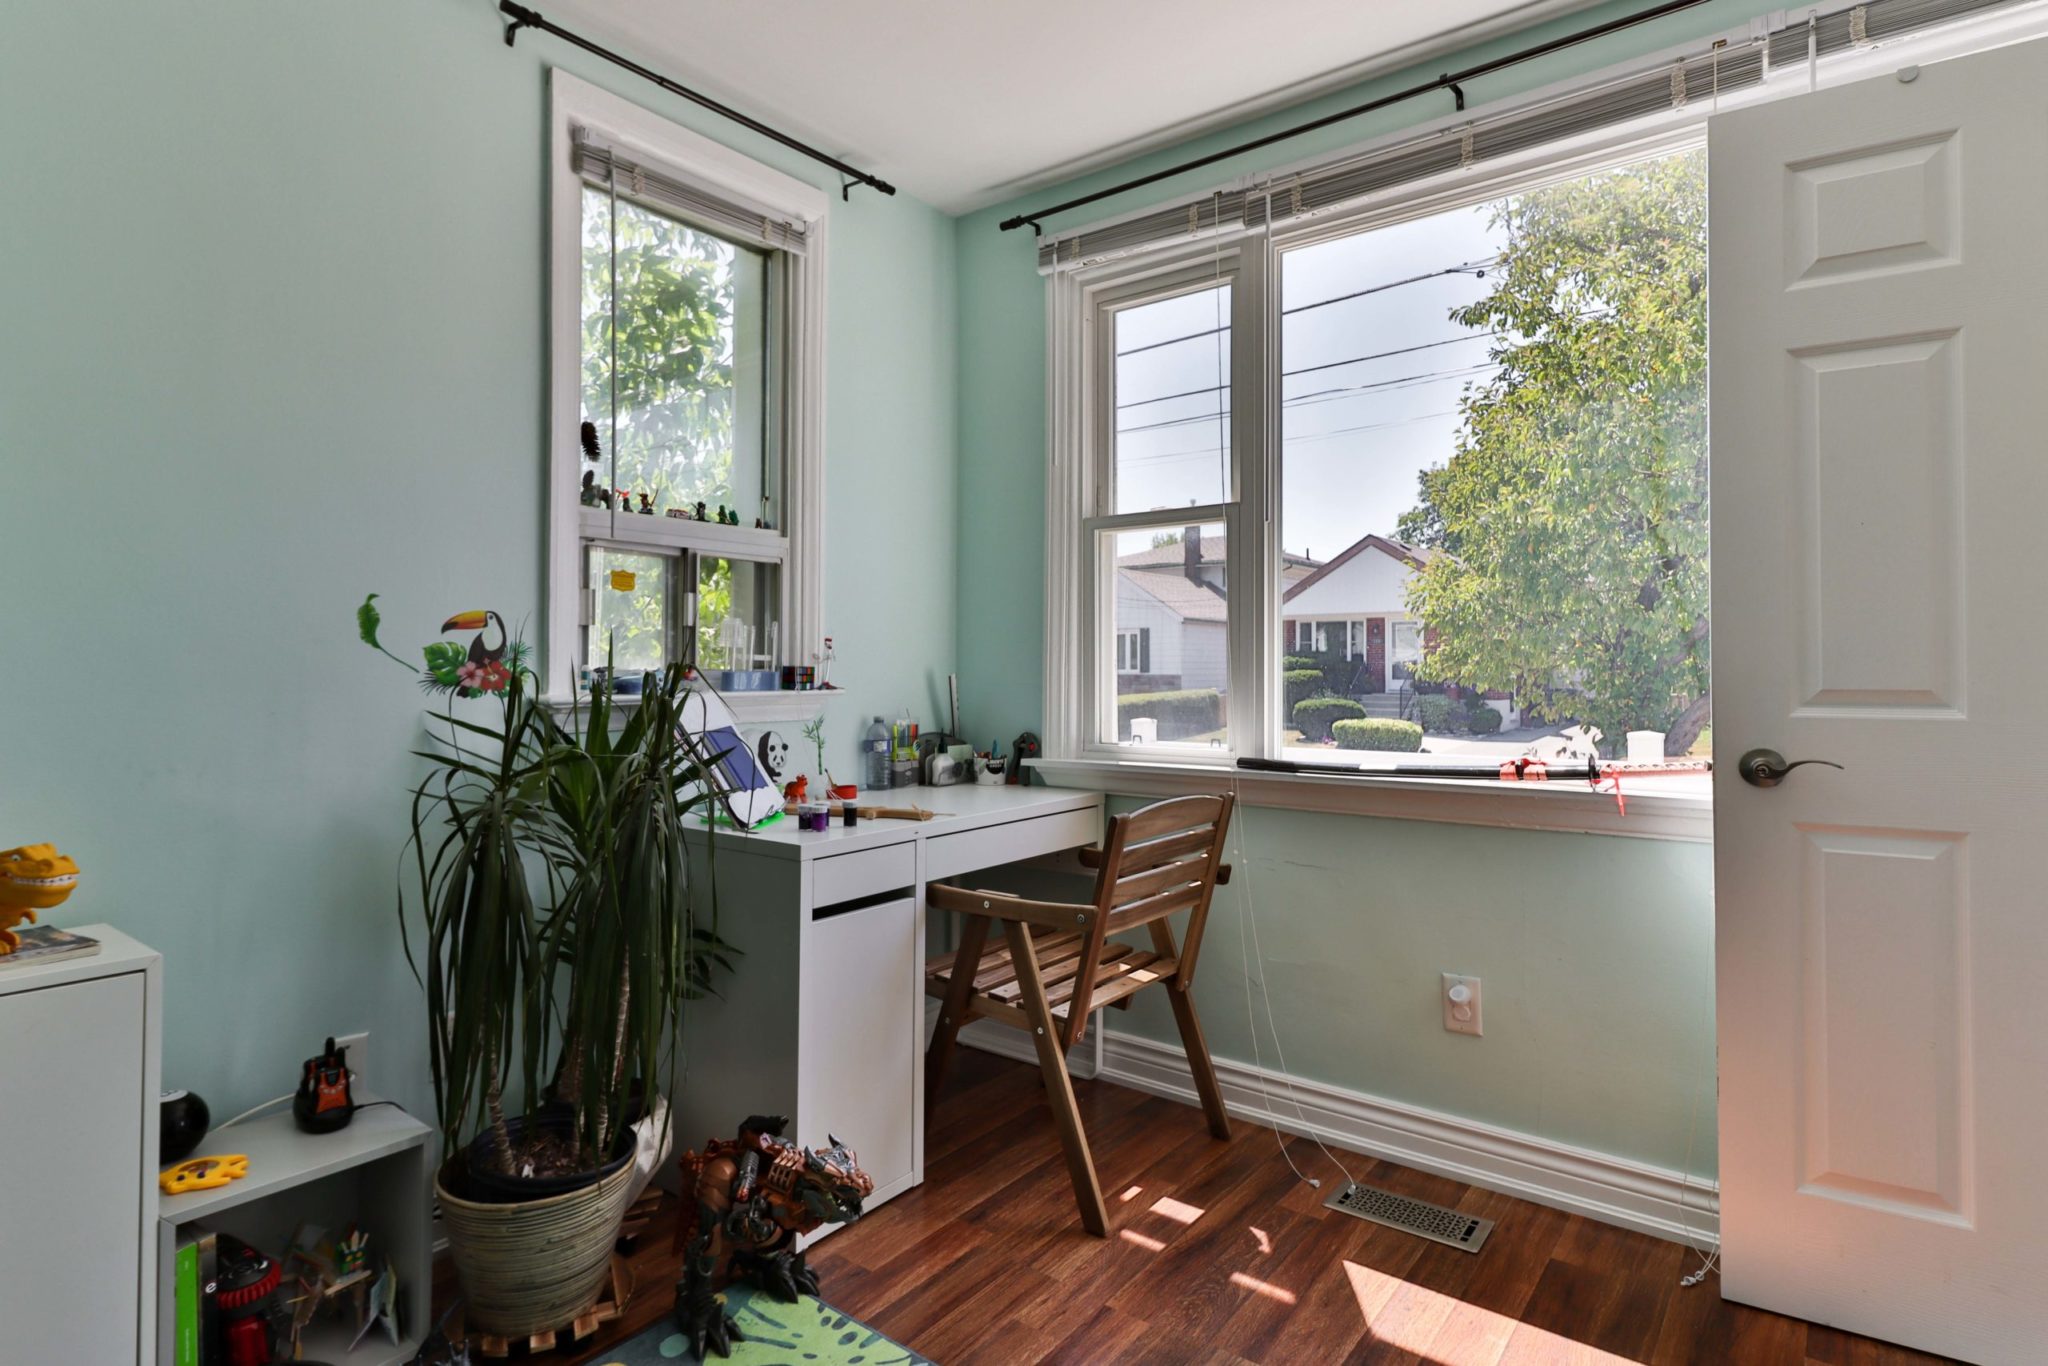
{"type": "Point", "coordinates": [522, 17]}
{"type": "Point", "coordinates": [1452, 81]}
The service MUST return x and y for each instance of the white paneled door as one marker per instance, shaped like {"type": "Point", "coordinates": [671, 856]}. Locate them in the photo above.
{"type": "Point", "coordinates": [1878, 300]}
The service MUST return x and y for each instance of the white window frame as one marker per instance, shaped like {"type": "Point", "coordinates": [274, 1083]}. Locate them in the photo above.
{"type": "Point", "coordinates": [1079, 604]}
{"type": "Point", "coordinates": [798, 544]}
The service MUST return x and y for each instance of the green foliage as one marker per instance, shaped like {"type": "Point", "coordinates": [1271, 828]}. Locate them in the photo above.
{"type": "Point", "coordinates": [676, 301]}
{"type": "Point", "coordinates": [1290, 663]}
{"type": "Point", "coordinates": [1439, 715]}
{"type": "Point", "coordinates": [1297, 684]}
{"type": "Point", "coordinates": [1575, 506]}
{"type": "Point", "coordinates": [444, 657]}
{"type": "Point", "coordinates": [1379, 732]}
{"type": "Point", "coordinates": [1483, 720]}
{"type": "Point", "coordinates": [1180, 714]}
{"type": "Point", "coordinates": [1314, 716]}
{"type": "Point", "coordinates": [562, 929]}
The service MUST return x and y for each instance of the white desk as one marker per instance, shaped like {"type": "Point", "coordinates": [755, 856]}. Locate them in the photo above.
{"type": "Point", "coordinates": [822, 1017]}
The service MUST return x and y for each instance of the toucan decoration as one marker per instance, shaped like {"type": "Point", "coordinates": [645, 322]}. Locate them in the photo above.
{"type": "Point", "coordinates": [483, 666]}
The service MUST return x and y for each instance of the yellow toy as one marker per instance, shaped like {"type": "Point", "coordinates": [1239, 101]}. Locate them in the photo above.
{"type": "Point", "coordinates": [33, 878]}
{"type": "Point", "coordinates": [203, 1173]}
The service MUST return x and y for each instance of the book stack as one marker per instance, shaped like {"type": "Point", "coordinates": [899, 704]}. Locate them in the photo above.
{"type": "Point", "coordinates": [48, 944]}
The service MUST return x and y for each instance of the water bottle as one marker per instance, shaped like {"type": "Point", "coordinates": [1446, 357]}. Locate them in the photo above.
{"type": "Point", "coordinates": [875, 757]}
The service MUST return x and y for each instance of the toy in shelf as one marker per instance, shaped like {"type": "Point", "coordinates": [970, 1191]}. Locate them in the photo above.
{"type": "Point", "coordinates": [203, 1173]}
{"type": "Point", "coordinates": [593, 496]}
{"type": "Point", "coordinates": [33, 878]}
{"type": "Point", "coordinates": [245, 1284]}
{"type": "Point", "coordinates": [328, 1275]}
{"type": "Point", "coordinates": [681, 514]}
{"type": "Point", "coordinates": [700, 513]}
{"type": "Point", "coordinates": [746, 1200]}
{"type": "Point", "coordinates": [647, 504]}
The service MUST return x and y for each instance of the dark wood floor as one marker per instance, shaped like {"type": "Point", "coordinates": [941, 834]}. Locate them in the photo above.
{"type": "Point", "coordinates": [1218, 1255]}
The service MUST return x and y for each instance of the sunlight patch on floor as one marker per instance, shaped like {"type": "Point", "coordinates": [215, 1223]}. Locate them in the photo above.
{"type": "Point", "coordinates": [1137, 1239]}
{"type": "Point", "coordinates": [1177, 1210]}
{"type": "Point", "coordinates": [1264, 1240]}
{"type": "Point", "coordinates": [1259, 1287]}
{"type": "Point", "coordinates": [1413, 1318]}
{"type": "Point", "coordinates": [1130, 1194]}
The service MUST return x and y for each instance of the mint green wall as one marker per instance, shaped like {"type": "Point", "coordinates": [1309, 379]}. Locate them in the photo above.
{"type": "Point", "coordinates": [272, 336]}
{"type": "Point", "coordinates": [1596, 951]}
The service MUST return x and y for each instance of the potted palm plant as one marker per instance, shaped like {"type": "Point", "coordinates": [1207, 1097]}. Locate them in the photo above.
{"type": "Point", "coordinates": [557, 933]}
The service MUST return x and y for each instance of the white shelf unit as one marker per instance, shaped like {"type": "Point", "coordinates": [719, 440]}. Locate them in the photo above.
{"type": "Point", "coordinates": [78, 1113]}
{"type": "Point", "coordinates": [377, 1173]}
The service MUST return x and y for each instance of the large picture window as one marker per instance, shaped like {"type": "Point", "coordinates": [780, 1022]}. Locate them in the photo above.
{"type": "Point", "coordinates": [1428, 484]}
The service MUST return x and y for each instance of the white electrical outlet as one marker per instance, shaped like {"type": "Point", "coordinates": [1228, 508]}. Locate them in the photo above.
{"type": "Point", "coordinates": [358, 1048]}
{"type": "Point", "coordinates": [1461, 1004]}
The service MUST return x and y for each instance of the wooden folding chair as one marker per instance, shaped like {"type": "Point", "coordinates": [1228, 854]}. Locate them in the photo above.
{"type": "Point", "coordinates": [1057, 962]}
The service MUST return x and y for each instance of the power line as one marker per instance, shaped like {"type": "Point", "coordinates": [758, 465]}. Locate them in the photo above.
{"type": "Point", "coordinates": [1206, 451]}
{"type": "Point", "coordinates": [1320, 396]}
{"type": "Point", "coordinates": [1468, 268]}
{"type": "Point", "coordinates": [1326, 365]}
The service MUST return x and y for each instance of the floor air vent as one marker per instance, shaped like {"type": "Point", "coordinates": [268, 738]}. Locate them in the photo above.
{"type": "Point", "coordinates": [1418, 1217]}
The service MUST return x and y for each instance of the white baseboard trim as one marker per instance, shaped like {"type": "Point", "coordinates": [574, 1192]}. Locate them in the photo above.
{"type": "Point", "coordinates": [1613, 1190]}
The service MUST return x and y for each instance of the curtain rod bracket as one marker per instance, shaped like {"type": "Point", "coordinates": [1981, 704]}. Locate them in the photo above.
{"type": "Point", "coordinates": [522, 17]}
{"type": "Point", "coordinates": [1457, 91]}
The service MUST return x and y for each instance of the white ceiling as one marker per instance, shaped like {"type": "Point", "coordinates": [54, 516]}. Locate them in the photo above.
{"type": "Point", "coordinates": [964, 103]}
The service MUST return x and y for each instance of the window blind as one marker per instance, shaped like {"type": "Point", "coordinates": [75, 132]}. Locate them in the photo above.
{"type": "Point", "coordinates": [602, 167]}
{"type": "Point", "coordinates": [1672, 84]}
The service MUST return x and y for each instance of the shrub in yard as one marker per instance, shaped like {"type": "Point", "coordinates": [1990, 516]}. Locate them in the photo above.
{"type": "Point", "coordinates": [1292, 662]}
{"type": "Point", "coordinates": [1379, 732]}
{"type": "Point", "coordinates": [1190, 711]}
{"type": "Point", "coordinates": [1439, 715]}
{"type": "Point", "coordinates": [1314, 716]}
{"type": "Point", "coordinates": [1484, 720]}
{"type": "Point", "coordinates": [1297, 684]}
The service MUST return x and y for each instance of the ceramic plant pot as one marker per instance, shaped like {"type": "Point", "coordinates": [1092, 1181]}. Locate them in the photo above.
{"type": "Point", "coordinates": [531, 1266]}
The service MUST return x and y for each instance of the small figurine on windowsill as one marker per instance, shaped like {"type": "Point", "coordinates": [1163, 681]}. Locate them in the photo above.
{"type": "Point", "coordinates": [681, 514]}
{"type": "Point", "coordinates": [700, 513]}
{"type": "Point", "coordinates": [625, 497]}
{"type": "Point", "coordinates": [760, 524]}
{"type": "Point", "coordinates": [593, 496]}
{"type": "Point", "coordinates": [647, 504]}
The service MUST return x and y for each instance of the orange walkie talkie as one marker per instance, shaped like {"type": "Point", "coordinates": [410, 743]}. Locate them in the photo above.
{"type": "Point", "coordinates": [324, 1102]}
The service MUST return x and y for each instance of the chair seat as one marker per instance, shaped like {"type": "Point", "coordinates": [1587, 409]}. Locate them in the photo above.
{"type": "Point", "coordinates": [1121, 969]}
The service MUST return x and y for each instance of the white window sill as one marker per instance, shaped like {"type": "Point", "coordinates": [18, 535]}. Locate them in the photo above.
{"type": "Point", "coordinates": [1558, 805]}
{"type": "Point", "coordinates": [752, 708]}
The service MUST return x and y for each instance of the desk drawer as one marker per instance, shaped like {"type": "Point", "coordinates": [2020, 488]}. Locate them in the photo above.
{"type": "Point", "coordinates": [993, 845]}
{"type": "Point", "coordinates": [849, 877]}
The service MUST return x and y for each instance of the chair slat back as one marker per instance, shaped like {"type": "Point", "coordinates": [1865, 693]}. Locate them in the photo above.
{"type": "Point", "coordinates": [1156, 861]}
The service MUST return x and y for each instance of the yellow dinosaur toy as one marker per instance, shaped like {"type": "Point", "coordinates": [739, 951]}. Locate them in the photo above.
{"type": "Point", "coordinates": [33, 878]}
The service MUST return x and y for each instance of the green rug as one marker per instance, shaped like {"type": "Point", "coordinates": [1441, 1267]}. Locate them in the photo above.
{"type": "Point", "coordinates": [807, 1333]}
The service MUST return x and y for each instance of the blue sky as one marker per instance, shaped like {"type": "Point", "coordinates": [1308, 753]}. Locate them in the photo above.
{"type": "Point", "coordinates": [1356, 432]}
